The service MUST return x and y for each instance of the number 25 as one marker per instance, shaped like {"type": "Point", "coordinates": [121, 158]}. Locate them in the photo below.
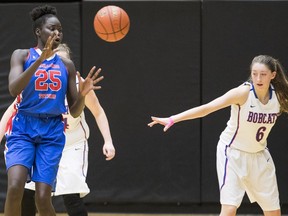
{"type": "Point", "coordinates": [43, 76]}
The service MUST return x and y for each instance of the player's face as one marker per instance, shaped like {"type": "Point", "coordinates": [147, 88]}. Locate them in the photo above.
{"type": "Point", "coordinates": [50, 28]}
{"type": "Point", "coordinates": [261, 75]}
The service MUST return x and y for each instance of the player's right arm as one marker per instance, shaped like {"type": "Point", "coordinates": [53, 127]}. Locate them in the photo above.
{"type": "Point", "coordinates": [19, 79]}
{"type": "Point", "coordinates": [4, 120]}
{"type": "Point", "coordinates": [236, 95]}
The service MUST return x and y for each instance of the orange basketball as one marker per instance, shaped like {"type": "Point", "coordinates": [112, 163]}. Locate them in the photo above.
{"type": "Point", "coordinates": [111, 23]}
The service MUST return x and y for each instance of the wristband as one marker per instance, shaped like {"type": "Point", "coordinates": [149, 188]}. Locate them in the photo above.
{"type": "Point", "coordinates": [171, 122]}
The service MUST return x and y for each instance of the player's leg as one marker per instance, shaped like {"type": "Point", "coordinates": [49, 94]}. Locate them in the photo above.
{"type": "Point", "coordinates": [43, 199]}
{"type": "Point", "coordinates": [74, 205]}
{"type": "Point", "coordinates": [28, 203]}
{"type": "Point", "coordinates": [228, 210]}
{"type": "Point", "coordinates": [19, 158]}
{"type": "Point", "coordinates": [47, 158]}
{"type": "Point", "coordinates": [17, 176]}
{"type": "Point", "coordinates": [229, 170]}
{"type": "Point", "coordinates": [272, 213]}
{"type": "Point", "coordinates": [263, 181]}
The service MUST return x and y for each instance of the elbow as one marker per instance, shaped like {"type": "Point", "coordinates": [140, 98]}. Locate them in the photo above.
{"type": "Point", "coordinates": [13, 92]}
{"type": "Point", "coordinates": [14, 89]}
{"type": "Point", "coordinates": [75, 114]}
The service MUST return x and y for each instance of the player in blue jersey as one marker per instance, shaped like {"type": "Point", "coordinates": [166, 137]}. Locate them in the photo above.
{"type": "Point", "coordinates": [72, 172]}
{"type": "Point", "coordinates": [244, 163]}
{"type": "Point", "coordinates": [40, 80]}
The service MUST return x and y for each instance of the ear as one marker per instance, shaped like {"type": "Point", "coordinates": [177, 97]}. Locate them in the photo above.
{"type": "Point", "coordinates": [274, 74]}
{"type": "Point", "coordinates": [37, 31]}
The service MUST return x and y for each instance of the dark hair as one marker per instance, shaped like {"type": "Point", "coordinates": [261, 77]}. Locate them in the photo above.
{"type": "Point", "coordinates": [280, 82]}
{"type": "Point", "coordinates": [40, 14]}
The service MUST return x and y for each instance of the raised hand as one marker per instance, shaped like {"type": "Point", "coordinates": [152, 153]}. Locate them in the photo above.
{"type": "Point", "coordinates": [89, 83]}
{"type": "Point", "coordinates": [47, 50]}
{"type": "Point", "coordinates": [167, 122]}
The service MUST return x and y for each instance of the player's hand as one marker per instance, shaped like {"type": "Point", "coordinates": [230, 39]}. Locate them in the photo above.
{"type": "Point", "coordinates": [90, 82]}
{"type": "Point", "coordinates": [47, 51]}
{"type": "Point", "coordinates": [108, 150]}
{"type": "Point", "coordinates": [167, 122]}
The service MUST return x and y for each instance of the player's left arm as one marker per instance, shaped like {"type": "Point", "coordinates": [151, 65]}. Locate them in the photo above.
{"type": "Point", "coordinates": [93, 104]}
{"type": "Point", "coordinates": [76, 99]}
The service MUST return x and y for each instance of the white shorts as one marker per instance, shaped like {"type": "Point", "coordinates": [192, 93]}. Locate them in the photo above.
{"type": "Point", "coordinates": [72, 172]}
{"type": "Point", "coordinates": [253, 173]}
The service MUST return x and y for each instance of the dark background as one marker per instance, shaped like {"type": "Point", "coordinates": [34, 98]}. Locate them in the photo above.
{"type": "Point", "coordinates": [177, 54]}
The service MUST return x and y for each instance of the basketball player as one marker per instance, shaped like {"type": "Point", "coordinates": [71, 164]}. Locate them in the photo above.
{"type": "Point", "coordinates": [35, 140]}
{"type": "Point", "coordinates": [244, 163]}
{"type": "Point", "coordinates": [72, 172]}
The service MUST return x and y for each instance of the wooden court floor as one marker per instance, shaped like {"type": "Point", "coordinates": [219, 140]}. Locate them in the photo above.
{"type": "Point", "coordinates": [132, 214]}
{"type": "Point", "coordinates": [156, 214]}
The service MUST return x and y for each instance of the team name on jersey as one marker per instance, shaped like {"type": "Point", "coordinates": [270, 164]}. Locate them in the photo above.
{"type": "Point", "coordinates": [55, 66]}
{"type": "Point", "coordinates": [50, 96]}
{"type": "Point", "coordinates": [266, 118]}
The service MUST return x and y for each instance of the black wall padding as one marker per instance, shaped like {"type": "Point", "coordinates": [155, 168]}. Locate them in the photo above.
{"type": "Point", "coordinates": [154, 70]}
{"type": "Point", "coordinates": [177, 55]}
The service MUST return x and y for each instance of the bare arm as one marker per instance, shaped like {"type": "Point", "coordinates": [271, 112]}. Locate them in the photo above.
{"type": "Point", "coordinates": [19, 79]}
{"type": "Point", "coordinates": [4, 120]}
{"type": "Point", "coordinates": [98, 112]}
{"type": "Point", "coordinates": [76, 99]}
{"type": "Point", "coordinates": [236, 95]}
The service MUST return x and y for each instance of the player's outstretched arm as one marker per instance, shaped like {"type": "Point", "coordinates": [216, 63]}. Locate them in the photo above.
{"type": "Point", "coordinates": [234, 96]}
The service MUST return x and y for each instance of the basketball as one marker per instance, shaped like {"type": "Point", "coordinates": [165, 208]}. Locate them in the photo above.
{"type": "Point", "coordinates": [111, 23]}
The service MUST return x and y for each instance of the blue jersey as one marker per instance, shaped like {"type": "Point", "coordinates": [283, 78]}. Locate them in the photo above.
{"type": "Point", "coordinates": [47, 88]}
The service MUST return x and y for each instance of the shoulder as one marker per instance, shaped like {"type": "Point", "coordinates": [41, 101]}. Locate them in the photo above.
{"type": "Point", "coordinates": [20, 54]}
{"type": "Point", "coordinates": [66, 61]}
{"type": "Point", "coordinates": [244, 88]}
{"type": "Point", "coordinates": [69, 64]}
{"type": "Point", "coordinates": [238, 95]}
{"type": "Point", "coordinates": [242, 92]}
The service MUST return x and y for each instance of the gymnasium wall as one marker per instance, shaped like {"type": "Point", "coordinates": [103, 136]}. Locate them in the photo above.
{"type": "Point", "coordinates": [177, 54]}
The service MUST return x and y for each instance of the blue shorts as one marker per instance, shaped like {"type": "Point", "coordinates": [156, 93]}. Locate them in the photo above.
{"type": "Point", "coordinates": [36, 143]}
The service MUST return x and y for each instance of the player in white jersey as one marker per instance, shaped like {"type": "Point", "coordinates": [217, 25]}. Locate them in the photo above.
{"type": "Point", "coordinates": [72, 172]}
{"type": "Point", "coordinates": [244, 163]}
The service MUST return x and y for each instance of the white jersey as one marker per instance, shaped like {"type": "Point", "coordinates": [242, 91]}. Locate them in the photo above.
{"type": "Point", "coordinates": [77, 129]}
{"type": "Point", "coordinates": [250, 124]}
